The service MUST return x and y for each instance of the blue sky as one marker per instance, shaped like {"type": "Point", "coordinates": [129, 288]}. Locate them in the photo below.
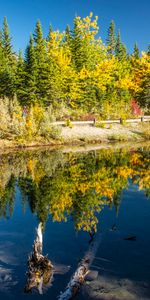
{"type": "Point", "coordinates": [132, 17]}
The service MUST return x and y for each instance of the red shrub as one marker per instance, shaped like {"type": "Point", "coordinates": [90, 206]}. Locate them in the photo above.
{"type": "Point", "coordinates": [136, 109]}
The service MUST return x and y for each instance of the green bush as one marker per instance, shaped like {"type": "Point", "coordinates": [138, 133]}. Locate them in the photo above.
{"type": "Point", "coordinates": [100, 125]}
{"type": "Point", "coordinates": [68, 123]}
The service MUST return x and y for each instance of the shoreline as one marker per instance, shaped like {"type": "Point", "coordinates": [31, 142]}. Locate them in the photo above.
{"type": "Point", "coordinates": [82, 135]}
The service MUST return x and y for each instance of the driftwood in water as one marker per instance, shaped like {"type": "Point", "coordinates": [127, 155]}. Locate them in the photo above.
{"type": "Point", "coordinates": [80, 274]}
{"type": "Point", "coordinates": [40, 269]}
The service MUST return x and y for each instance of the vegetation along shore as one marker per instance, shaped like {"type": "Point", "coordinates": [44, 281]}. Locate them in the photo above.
{"type": "Point", "coordinates": [72, 76]}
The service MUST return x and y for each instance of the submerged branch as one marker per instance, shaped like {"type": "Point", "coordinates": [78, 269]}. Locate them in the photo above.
{"type": "Point", "coordinates": [78, 277]}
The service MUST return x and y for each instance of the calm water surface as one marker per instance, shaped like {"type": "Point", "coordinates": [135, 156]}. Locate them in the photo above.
{"type": "Point", "coordinates": [73, 195]}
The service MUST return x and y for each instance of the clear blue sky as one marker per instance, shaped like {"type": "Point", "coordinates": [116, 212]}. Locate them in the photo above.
{"type": "Point", "coordinates": [132, 17]}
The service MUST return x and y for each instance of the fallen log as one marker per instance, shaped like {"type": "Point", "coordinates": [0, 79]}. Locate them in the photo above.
{"type": "Point", "coordinates": [79, 276]}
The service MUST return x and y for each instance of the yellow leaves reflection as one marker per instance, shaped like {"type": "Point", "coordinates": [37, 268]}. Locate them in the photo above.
{"type": "Point", "coordinates": [77, 185]}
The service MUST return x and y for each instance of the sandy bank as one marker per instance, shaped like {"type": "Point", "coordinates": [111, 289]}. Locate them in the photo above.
{"type": "Point", "coordinates": [80, 134]}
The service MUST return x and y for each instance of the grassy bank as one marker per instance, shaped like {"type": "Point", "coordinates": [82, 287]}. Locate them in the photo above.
{"type": "Point", "coordinates": [69, 135]}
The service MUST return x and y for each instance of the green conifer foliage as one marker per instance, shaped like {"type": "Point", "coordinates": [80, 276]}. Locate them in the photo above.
{"type": "Point", "coordinates": [136, 52]}
{"type": "Point", "coordinates": [31, 74]}
{"type": "Point", "coordinates": [148, 50]}
{"type": "Point", "coordinates": [7, 47]}
{"type": "Point", "coordinates": [120, 49]}
{"type": "Point", "coordinates": [77, 54]}
{"type": "Point", "coordinates": [144, 95]}
{"type": "Point", "coordinates": [8, 63]}
{"type": "Point", "coordinates": [68, 35]}
{"type": "Point", "coordinates": [20, 78]}
{"type": "Point", "coordinates": [111, 40]}
{"type": "Point", "coordinates": [42, 65]}
{"type": "Point", "coordinates": [49, 33]}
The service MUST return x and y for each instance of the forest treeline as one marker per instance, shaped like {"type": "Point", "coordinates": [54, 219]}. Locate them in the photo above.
{"type": "Point", "coordinates": [73, 73]}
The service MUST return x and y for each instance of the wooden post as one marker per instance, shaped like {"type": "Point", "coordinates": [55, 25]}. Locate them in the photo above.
{"type": "Point", "coordinates": [94, 122]}
{"type": "Point", "coordinates": [142, 119]}
{"type": "Point", "coordinates": [121, 121]}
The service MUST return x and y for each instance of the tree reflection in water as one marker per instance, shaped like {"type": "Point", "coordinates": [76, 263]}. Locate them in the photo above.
{"type": "Point", "coordinates": [64, 185]}
{"type": "Point", "coordinates": [75, 184]}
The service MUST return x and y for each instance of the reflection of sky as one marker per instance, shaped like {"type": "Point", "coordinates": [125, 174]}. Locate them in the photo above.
{"type": "Point", "coordinates": [6, 279]}
{"type": "Point", "coordinates": [6, 253]}
{"type": "Point", "coordinates": [7, 262]}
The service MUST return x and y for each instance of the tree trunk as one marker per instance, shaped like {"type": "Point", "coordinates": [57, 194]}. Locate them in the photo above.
{"type": "Point", "coordinates": [83, 268]}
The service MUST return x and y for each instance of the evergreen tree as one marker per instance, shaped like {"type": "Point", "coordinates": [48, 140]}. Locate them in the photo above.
{"type": "Point", "coordinates": [7, 47]}
{"type": "Point", "coordinates": [136, 53]}
{"type": "Point", "coordinates": [77, 46]}
{"type": "Point", "coordinates": [144, 95]}
{"type": "Point", "coordinates": [1, 40]}
{"type": "Point", "coordinates": [111, 40]}
{"type": "Point", "coordinates": [20, 78]}
{"type": "Point", "coordinates": [49, 33]}
{"type": "Point", "coordinates": [1, 50]}
{"type": "Point", "coordinates": [8, 63]}
{"type": "Point", "coordinates": [68, 35]}
{"type": "Point", "coordinates": [42, 65]}
{"type": "Point", "coordinates": [120, 49]}
{"type": "Point", "coordinates": [148, 50]}
{"type": "Point", "coordinates": [31, 74]}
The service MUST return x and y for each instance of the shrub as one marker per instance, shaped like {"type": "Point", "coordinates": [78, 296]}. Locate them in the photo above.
{"type": "Point", "coordinates": [68, 123]}
{"type": "Point", "coordinates": [46, 129]}
{"type": "Point", "coordinates": [100, 125]}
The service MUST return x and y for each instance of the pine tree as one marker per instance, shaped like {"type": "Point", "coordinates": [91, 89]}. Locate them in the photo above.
{"type": "Point", "coordinates": [7, 63]}
{"type": "Point", "coordinates": [68, 35]}
{"type": "Point", "coordinates": [1, 40]}
{"type": "Point", "coordinates": [20, 78]}
{"type": "Point", "coordinates": [136, 53]}
{"type": "Point", "coordinates": [77, 54]}
{"type": "Point", "coordinates": [144, 95]}
{"type": "Point", "coordinates": [1, 51]}
{"type": "Point", "coordinates": [120, 49]}
{"type": "Point", "coordinates": [31, 74]}
{"type": "Point", "coordinates": [148, 50]}
{"type": "Point", "coordinates": [49, 33]}
{"type": "Point", "coordinates": [42, 65]}
{"type": "Point", "coordinates": [7, 47]}
{"type": "Point", "coordinates": [111, 40]}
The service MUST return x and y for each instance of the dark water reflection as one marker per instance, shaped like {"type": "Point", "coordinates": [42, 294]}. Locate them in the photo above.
{"type": "Point", "coordinates": [74, 195]}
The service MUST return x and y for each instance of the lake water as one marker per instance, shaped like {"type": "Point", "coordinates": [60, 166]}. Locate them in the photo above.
{"type": "Point", "coordinates": [76, 195]}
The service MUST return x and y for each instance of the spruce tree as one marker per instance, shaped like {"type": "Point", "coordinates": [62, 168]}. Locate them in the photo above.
{"type": "Point", "coordinates": [68, 35]}
{"type": "Point", "coordinates": [49, 33]}
{"type": "Point", "coordinates": [6, 39]}
{"type": "Point", "coordinates": [1, 51]}
{"type": "Point", "coordinates": [136, 53]}
{"type": "Point", "coordinates": [1, 40]}
{"type": "Point", "coordinates": [148, 50]}
{"type": "Point", "coordinates": [42, 65]}
{"type": "Point", "coordinates": [76, 46]}
{"type": "Point", "coordinates": [20, 78]}
{"type": "Point", "coordinates": [111, 40]}
{"type": "Point", "coordinates": [144, 95]}
{"type": "Point", "coordinates": [120, 49]}
{"type": "Point", "coordinates": [31, 74]}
